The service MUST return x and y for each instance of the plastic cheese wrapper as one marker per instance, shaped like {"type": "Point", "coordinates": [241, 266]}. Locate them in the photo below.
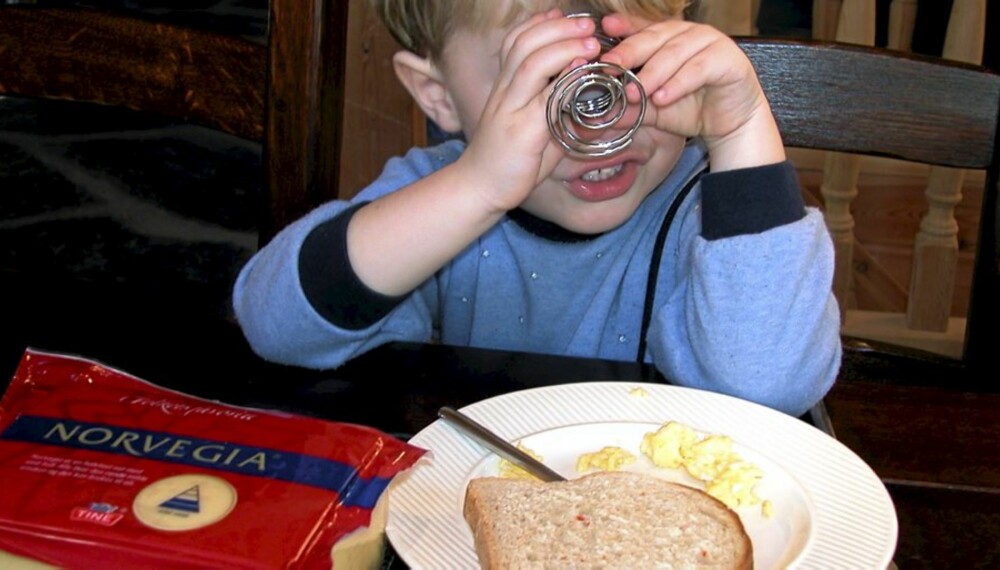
{"type": "Point", "coordinates": [101, 469]}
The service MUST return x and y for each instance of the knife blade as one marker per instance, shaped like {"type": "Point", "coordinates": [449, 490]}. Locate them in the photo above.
{"type": "Point", "coordinates": [495, 443]}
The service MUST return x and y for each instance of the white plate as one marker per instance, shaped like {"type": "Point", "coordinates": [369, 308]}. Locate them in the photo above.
{"type": "Point", "coordinates": [830, 509]}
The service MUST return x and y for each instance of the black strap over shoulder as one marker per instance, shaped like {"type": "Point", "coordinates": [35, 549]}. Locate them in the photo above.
{"type": "Point", "coordinates": [654, 263]}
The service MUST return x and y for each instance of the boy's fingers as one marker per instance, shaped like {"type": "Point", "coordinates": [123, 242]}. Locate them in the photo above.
{"type": "Point", "coordinates": [636, 49]}
{"type": "Point", "coordinates": [520, 28]}
{"type": "Point", "coordinates": [683, 83]}
{"type": "Point", "coordinates": [534, 75]}
{"type": "Point", "coordinates": [691, 79]}
{"type": "Point", "coordinates": [665, 62]}
{"type": "Point", "coordinates": [623, 25]}
{"type": "Point", "coordinates": [543, 34]}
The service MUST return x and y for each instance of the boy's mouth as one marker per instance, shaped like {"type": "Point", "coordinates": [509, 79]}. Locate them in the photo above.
{"type": "Point", "coordinates": [604, 183]}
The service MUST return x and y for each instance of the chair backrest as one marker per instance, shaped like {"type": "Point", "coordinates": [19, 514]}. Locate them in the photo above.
{"type": "Point", "coordinates": [870, 280]}
{"type": "Point", "coordinates": [869, 101]}
{"type": "Point", "coordinates": [287, 94]}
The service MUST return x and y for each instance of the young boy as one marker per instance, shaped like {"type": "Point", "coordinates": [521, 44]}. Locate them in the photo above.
{"type": "Point", "coordinates": [509, 242]}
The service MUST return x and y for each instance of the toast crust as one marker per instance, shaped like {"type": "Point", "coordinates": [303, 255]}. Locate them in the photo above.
{"type": "Point", "coordinates": [606, 520]}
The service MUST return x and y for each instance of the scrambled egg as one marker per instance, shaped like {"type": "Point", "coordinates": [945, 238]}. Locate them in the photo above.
{"type": "Point", "coordinates": [767, 508]}
{"type": "Point", "coordinates": [734, 485]}
{"type": "Point", "coordinates": [726, 475]}
{"type": "Point", "coordinates": [638, 392]}
{"type": "Point", "coordinates": [669, 446]}
{"type": "Point", "coordinates": [510, 470]}
{"type": "Point", "coordinates": [710, 457]}
{"type": "Point", "coordinates": [607, 459]}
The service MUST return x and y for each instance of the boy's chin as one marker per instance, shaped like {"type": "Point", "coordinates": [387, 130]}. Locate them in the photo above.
{"type": "Point", "coordinates": [590, 221]}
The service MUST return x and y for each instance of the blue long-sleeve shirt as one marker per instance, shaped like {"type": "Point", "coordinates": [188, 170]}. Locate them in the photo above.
{"type": "Point", "coordinates": [741, 301]}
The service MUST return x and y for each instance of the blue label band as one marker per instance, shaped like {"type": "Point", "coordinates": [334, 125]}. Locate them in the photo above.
{"type": "Point", "coordinates": [205, 453]}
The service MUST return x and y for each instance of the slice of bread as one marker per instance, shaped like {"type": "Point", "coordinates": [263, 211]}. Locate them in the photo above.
{"type": "Point", "coordinates": [602, 520]}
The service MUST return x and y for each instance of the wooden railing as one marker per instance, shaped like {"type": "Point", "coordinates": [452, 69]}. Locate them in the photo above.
{"type": "Point", "coordinates": [920, 316]}
{"type": "Point", "coordinates": [927, 322]}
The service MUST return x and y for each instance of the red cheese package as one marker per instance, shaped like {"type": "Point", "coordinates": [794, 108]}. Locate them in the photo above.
{"type": "Point", "coordinates": [102, 469]}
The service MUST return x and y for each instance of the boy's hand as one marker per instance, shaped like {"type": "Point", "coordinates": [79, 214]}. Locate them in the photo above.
{"type": "Point", "coordinates": [510, 150]}
{"type": "Point", "coordinates": [698, 83]}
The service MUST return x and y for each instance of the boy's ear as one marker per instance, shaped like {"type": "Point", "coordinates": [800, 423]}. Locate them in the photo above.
{"type": "Point", "coordinates": [425, 83]}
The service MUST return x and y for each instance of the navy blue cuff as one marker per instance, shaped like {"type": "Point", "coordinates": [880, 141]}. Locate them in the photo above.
{"type": "Point", "coordinates": [750, 200]}
{"type": "Point", "coordinates": [330, 283]}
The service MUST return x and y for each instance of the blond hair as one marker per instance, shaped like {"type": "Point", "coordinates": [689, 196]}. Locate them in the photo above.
{"type": "Point", "coordinates": [423, 26]}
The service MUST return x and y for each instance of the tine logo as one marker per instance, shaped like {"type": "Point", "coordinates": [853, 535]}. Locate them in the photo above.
{"type": "Point", "coordinates": [103, 514]}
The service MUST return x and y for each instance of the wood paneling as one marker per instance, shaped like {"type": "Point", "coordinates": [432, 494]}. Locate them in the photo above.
{"type": "Point", "coordinates": [306, 77]}
{"type": "Point", "coordinates": [378, 113]}
{"type": "Point", "coordinates": [206, 78]}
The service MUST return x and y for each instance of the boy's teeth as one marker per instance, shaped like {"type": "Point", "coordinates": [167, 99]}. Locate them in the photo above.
{"type": "Point", "coordinates": [602, 173]}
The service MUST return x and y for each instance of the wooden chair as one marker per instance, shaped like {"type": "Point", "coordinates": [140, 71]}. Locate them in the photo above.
{"type": "Point", "coordinates": [287, 95]}
{"type": "Point", "coordinates": [870, 101]}
{"type": "Point", "coordinates": [920, 315]}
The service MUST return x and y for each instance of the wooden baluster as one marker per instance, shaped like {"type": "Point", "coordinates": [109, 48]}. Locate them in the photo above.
{"type": "Point", "coordinates": [825, 16]}
{"type": "Point", "coordinates": [902, 19]}
{"type": "Point", "coordinates": [735, 18]}
{"type": "Point", "coordinates": [754, 13]}
{"type": "Point", "coordinates": [839, 188]}
{"type": "Point", "coordinates": [856, 24]}
{"type": "Point", "coordinates": [966, 31]}
{"type": "Point", "coordinates": [935, 252]}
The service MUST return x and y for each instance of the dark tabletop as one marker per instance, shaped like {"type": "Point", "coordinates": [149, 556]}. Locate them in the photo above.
{"type": "Point", "coordinates": [170, 339]}
{"type": "Point", "coordinates": [174, 339]}
{"type": "Point", "coordinates": [165, 340]}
